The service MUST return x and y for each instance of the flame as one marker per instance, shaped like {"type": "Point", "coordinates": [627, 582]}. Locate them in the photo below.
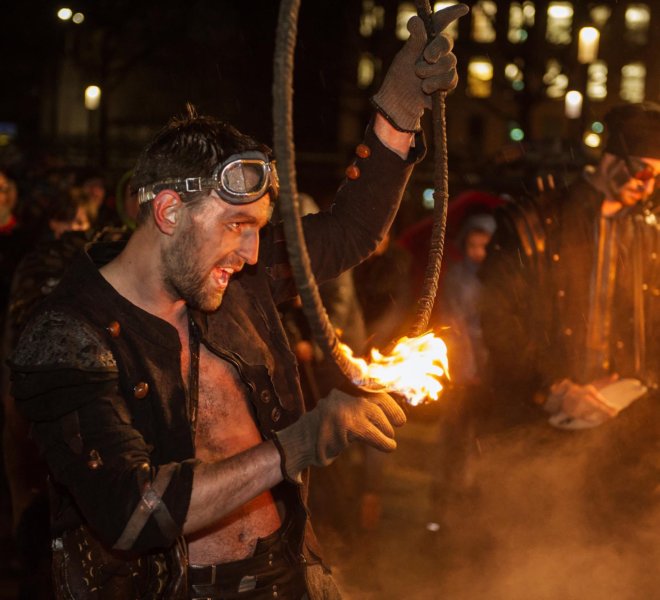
{"type": "Point", "coordinates": [414, 369]}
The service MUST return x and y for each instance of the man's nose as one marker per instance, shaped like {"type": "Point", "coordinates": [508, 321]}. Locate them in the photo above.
{"type": "Point", "coordinates": [249, 249]}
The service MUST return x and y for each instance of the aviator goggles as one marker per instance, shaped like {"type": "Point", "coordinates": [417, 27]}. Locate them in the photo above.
{"type": "Point", "coordinates": [241, 179]}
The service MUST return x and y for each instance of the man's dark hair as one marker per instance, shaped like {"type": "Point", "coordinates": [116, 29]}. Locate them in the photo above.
{"type": "Point", "coordinates": [188, 146]}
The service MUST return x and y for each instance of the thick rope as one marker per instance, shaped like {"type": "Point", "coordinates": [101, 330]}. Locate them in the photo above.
{"type": "Point", "coordinates": [313, 308]}
{"type": "Point", "coordinates": [440, 196]}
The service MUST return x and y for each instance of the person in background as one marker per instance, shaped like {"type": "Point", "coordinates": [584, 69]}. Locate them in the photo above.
{"type": "Point", "coordinates": [36, 276]}
{"type": "Point", "coordinates": [457, 320]}
{"type": "Point", "coordinates": [571, 319]}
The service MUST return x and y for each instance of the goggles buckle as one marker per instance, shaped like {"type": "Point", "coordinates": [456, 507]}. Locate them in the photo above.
{"type": "Point", "coordinates": [193, 184]}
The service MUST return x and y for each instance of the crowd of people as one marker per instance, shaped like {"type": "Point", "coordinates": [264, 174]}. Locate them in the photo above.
{"type": "Point", "coordinates": [137, 328]}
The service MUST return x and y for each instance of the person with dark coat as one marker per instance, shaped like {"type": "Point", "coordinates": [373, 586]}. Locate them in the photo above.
{"type": "Point", "coordinates": [159, 381]}
{"type": "Point", "coordinates": [571, 319]}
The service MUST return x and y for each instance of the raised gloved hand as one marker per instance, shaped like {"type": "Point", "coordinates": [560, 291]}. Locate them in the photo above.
{"type": "Point", "coordinates": [319, 436]}
{"type": "Point", "coordinates": [418, 70]}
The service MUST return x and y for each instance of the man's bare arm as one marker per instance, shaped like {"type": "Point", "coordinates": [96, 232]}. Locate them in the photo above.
{"type": "Point", "coordinates": [316, 439]}
{"type": "Point", "coordinates": [221, 487]}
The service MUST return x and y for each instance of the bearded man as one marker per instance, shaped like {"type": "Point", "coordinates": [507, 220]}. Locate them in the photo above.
{"type": "Point", "coordinates": [159, 380]}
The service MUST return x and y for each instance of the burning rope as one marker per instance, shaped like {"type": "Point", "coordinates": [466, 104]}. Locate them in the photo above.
{"type": "Point", "coordinates": [357, 371]}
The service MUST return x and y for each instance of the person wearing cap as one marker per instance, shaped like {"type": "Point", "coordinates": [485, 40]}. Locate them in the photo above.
{"type": "Point", "coordinates": [571, 309]}
{"type": "Point", "coordinates": [159, 381]}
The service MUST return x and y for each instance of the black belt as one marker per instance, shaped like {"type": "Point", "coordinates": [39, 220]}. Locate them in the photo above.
{"type": "Point", "coordinates": [265, 575]}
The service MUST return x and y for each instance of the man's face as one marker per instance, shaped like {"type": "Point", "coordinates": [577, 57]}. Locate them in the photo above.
{"type": "Point", "coordinates": [637, 188]}
{"type": "Point", "coordinates": [211, 243]}
{"type": "Point", "coordinates": [475, 246]}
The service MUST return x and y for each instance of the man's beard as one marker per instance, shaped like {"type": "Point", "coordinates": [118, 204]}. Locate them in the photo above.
{"type": "Point", "coordinates": [182, 275]}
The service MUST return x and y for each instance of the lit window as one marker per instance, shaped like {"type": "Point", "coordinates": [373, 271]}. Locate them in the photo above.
{"type": "Point", "coordinates": [452, 29]}
{"type": "Point", "coordinates": [366, 70]}
{"type": "Point", "coordinates": [597, 80]}
{"type": "Point", "coordinates": [483, 21]}
{"type": "Point", "coordinates": [555, 81]}
{"type": "Point", "coordinates": [588, 41]}
{"type": "Point", "coordinates": [638, 17]}
{"type": "Point", "coordinates": [521, 19]}
{"type": "Point", "coordinates": [480, 77]}
{"type": "Point", "coordinates": [633, 82]}
{"type": "Point", "coordinates": [600, 14]}
{"type": "Point", "coordinates": [372, 17]}
{"type": "Point", "coordinates": [514, 75]}
{"type": "Point", "coordinates": [406, 10]}
{"type": "Point", "coordinates": [560, 20]}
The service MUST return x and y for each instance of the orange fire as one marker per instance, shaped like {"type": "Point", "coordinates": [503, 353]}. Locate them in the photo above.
{"type": "Point", "coordinates": [414, 369]}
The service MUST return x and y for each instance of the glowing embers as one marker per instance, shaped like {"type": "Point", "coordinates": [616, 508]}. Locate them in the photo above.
{"type": "Point", "coordinates": [415, 368]}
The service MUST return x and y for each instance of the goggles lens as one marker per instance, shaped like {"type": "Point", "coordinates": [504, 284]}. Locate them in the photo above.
{"type": "Point", "coordinates": [244, 178]}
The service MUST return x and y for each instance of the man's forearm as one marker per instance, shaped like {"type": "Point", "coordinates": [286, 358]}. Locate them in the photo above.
{"type": "Point", "coordinates": [397, 141]}
{"type": "Point", "coordinates": [221, 487]}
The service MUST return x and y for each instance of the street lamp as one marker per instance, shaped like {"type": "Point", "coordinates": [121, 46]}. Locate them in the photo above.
{"type": "Point", "coordinates": [573, 104]}
{"type": "Point", "coordinates": [64, 14]}
{"type": "Point", "coordinates": [92, 97]}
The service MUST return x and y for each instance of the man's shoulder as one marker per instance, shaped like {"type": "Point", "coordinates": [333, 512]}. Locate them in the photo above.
{"type": "Point", "coordinates": [58, 339]}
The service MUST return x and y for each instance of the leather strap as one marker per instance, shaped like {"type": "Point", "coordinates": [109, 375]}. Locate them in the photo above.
{"type": "Point", "coordinates": [150, 503]}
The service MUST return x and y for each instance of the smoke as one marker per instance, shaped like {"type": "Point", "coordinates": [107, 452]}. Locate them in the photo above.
{"type": "Point", "coordinates": [541, 514]}
{"type": "Point", "coordinates": [550, 521]}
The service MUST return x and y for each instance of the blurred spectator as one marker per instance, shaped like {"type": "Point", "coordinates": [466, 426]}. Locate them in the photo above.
{"type": "Point", "coordinates": [8, 198]}
{"type": "Point", "coordinates": [457, 307]}
{"type": "Point", "coordinates": [456, 316]}
{"type": "Point", "coordinates": [13, 239]}
{"type": "Point", "coordinates": [35, 277]}
{"type": "Point", "coordinates": [572, 303]}
{"type": "Point", "coordinates": [417, 238]}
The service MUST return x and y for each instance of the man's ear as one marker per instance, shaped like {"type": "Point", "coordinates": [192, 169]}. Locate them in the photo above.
{"type": "Point", "coordinates": [166, 208]}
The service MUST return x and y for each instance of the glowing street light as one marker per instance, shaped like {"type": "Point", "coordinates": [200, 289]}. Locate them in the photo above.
{"type": "Point", "coordinates": [92, 97]}
{"type": "Point", "coordinates": [64, 14]}
{"type": "Point", "coordinates": [591, 139]}
{"type": "Point", "coordinates": [573, 104]}
{"type": "Point", "coordinates": [78, 18]}
{"type": "Point", "coordinates": [588, 45]}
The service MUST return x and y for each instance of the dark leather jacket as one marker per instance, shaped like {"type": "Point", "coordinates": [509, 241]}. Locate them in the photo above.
{"type": "Point", "coordinates": [538, 282]}
{"type": "Point", "coordinates": [100, 379]}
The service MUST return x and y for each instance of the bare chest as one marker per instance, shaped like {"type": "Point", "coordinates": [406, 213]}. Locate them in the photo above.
{"type": "Point", "coordinates": [225, 423]}
{"type": "Point", "coordinates": [225, 427]}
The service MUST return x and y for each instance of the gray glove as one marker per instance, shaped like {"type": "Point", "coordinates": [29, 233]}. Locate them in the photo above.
{"type": "Point", "coordinates": [418, 70]}
{"type": "Point", "coordinates": [320, 435]}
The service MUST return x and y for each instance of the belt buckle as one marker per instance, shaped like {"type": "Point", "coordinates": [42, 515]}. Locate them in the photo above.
{"type": "Point", "coordinates": [213, 576]}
